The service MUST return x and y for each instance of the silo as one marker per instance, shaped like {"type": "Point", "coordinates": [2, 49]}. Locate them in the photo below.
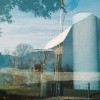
{"type": "Point", "coordinates": [85, 52]}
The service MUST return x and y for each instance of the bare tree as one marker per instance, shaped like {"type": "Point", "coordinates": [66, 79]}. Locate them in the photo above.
{"type": "Point", "coordinates": [19, 54]}
{"type": "Point", "coordinates": [13, 59]}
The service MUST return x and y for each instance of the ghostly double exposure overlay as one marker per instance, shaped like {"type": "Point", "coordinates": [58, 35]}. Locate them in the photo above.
{"type": "Point", "coordinates": [29, 62]}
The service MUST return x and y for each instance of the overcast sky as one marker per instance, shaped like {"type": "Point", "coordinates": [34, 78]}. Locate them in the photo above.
{"type": "Point", "coordinates": [38, 31]}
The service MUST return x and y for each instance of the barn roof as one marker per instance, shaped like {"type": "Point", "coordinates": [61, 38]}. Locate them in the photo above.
{"type": "Point", "coordinates": [58, 39]}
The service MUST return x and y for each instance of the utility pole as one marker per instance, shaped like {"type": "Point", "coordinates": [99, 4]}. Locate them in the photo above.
{"type": "Point", "coordinates": [58, 70]}
{"type": "Point", "coordinates": [59, 55]}
{"type": "Point", "coordinates": [43, 83]}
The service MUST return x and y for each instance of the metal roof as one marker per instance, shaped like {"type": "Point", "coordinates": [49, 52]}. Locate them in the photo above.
{"type": "Point", "coordinates": [57, 40]}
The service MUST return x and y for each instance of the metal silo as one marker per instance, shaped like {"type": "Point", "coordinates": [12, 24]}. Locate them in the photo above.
{"type": "Point", "coordinates": [85, 51]}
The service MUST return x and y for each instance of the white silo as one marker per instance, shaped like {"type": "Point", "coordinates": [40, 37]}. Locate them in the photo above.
{"type": "Point", "coordinates": [85, 52]}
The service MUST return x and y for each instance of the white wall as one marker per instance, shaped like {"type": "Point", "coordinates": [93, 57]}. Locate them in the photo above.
{"type": "Point", "coordinates": [85, 51]}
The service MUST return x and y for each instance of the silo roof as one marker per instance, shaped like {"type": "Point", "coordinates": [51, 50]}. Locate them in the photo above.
{"type": "Point", "coordinates": [80, 16]}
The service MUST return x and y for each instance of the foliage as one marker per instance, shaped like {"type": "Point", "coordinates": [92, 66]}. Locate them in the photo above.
{"type": "Point", "coordinates": [5, 79]}
{"type": "Point", "coordinates": [18, 80]}
{"type": "Point", "coordinates": [41, 8]}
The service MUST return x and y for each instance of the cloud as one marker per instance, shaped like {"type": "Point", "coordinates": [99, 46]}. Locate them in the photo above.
{"type": "Point", "coordinates": [34, 30]}
{"type": "Point", "coordinates": [27, 29]}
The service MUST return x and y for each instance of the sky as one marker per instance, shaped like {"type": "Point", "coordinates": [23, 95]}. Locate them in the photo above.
{"type": "Point", "coordinates": [37, 31]}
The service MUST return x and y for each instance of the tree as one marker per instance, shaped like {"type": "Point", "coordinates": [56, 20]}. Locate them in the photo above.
{"type": "Point", "coordinates": [21, 51]}
{"type": "Point", "coordinates": [5, 79]}
{"type": "Point", "coordinates": [14, 59]}
{"type": "Point", "coordinates": [41, 8]}
{"type": "Point", "coordinates": [18, 80]}
{"type": "Point", "coordinates": [44, 61]}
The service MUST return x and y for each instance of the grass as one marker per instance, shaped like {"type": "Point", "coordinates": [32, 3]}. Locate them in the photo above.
{"type": "Point", "coordinates": [34, 91]}
{"type": "Point", "coordinates": [79, 93]}
{"type": "Point", "coordinates": [20, 90]}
